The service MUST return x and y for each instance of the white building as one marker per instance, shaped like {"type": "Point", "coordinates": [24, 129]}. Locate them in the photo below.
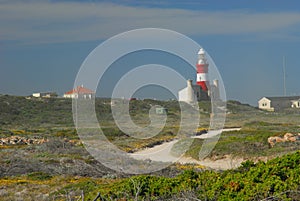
{"type": "Point", "coordinates": [80, 92]}
{"type": "Point", "coordinates": [279, 103]}
{"type": "Point", "coordinates": [194, 93]}
{"type": "Point", "coordinates": [190, 94]}
{"type": "Point", "coordinates": [265, 104]}
{"type": "Point", "coordinates": [44, 95]}
{"type": "Point", "coordinates": [296, 103]}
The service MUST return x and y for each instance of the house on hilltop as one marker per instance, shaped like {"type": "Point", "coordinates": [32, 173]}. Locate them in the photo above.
{"type": "Point", "coordinates": [44, 95]}
{"type": "Point", "coordinates": [279, 103]}
{"type": "Point", "coordinates": [296, 103]}
{"type": "Point", "coordinates": [80, 92]}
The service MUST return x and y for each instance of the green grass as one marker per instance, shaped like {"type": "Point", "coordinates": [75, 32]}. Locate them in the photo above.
{"type": "Point", "coordinates": [39, 176]}
{"type": "Point", "coordinates": [52, 118]}
{"type": "Point", "coordinates": [251, 141]}
{"type": "Point", "coordinates": [53, 168]}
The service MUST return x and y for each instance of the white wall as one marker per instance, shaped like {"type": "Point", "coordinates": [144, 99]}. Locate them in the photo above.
{"type": "Point", "coordinates": [37, 95]}
{"type": "Point", "coordinates": [265, 104]}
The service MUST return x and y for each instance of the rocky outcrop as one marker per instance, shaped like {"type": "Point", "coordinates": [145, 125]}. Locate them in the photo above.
{"type": "Point", "coordinates": [18, 140]}
{"type": "Point", "coordinates": [73, 142]}
{"type": "Point", "coordinates": [288, 137]}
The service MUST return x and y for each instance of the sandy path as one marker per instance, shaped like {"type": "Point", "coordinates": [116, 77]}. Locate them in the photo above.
{"type": "Point", "coordinates": [162, 153]}
{"type": "Point", "coordinates": [215, 132]}
{"type": "Point", "coordinates": [220, 164]}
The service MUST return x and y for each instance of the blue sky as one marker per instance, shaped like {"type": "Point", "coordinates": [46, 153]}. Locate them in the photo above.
{"type": "Point", "coordinates": [43, 43]}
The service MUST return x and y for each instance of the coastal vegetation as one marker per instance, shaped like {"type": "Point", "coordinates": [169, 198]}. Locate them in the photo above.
{"type": "Point", "coordinates": [57, 166]}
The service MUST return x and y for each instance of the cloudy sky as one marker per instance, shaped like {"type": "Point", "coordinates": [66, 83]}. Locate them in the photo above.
{"type": "Point", "coordinates": [43, 43]}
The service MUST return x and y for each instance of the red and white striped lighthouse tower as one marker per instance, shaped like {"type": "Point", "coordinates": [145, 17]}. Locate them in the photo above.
{"type": "Point", "coordinates": [202, 71]}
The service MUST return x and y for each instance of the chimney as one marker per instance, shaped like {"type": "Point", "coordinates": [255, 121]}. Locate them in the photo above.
{"type": "Point", "coordinates": [190, 92]}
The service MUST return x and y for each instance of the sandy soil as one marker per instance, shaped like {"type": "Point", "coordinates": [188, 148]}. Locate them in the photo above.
{"type": "Point", "coordinates": [163, 153]}
{"type": "Point", "coordinates": [160, 152]}
{"type": "Point", "coordinates": [221, 164]}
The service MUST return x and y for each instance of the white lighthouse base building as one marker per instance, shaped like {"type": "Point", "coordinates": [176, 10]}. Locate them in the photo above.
{"type": "Point", "coordinates": [188, 94]}
{"type": "Point", "coordinates": [194, 93]}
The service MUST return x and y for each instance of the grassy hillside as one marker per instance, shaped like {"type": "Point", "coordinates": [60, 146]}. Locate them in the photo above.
{"type": "Point", "coordinates": [251, 141]}
{"type": "Point", "coordinates": [19, 112]}
{"type": "Point", "coordinates": [53, 117]}
{"type": "Point", "coordinates": [23, 112]}
{"type": "Point", "coordinates": [61, 168]}
{"type": "Point", "coordinates": [57, 112]}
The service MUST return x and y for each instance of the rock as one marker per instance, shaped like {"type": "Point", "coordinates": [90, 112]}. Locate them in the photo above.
{"type": "Point", "coordinates": [3, 192]}
{"type": "Point", "coordinates": [42, 197]}
{"type": "Point", "coordinates": [17, 140]}
{"type": "Point", "coordinates": [288, 137]}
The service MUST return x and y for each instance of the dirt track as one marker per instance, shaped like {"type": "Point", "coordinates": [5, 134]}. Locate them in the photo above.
{"type": "Point", "coordinates": [163, 153]}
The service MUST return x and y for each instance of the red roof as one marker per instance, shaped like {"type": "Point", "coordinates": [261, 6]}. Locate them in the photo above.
{"type": "Point", "coordinates": [80, 90]}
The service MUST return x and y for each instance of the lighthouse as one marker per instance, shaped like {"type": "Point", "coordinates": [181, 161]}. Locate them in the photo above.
{"type": "Point", "coordinates": [202, 90]}
{"type": "Point", "coordinates": [202, 71]}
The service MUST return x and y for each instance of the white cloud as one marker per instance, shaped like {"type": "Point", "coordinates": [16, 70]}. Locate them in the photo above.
{"type": "Point", "coordinates": [46, 22]}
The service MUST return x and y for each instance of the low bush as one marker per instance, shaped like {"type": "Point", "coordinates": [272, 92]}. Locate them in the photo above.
{"type": "Point", "coordinates": [39, 176]}
{"type": "Point", "coordinates": [276, 179]}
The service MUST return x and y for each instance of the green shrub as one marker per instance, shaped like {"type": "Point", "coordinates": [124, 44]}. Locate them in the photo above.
{"type": "Point", "coordinates": [275, 179]}
{"type": "Point", "coordinates": [39, 176]}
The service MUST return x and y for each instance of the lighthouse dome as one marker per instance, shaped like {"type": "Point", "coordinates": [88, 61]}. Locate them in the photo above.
{"type": "Point", "coordinates": [201, 51]}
